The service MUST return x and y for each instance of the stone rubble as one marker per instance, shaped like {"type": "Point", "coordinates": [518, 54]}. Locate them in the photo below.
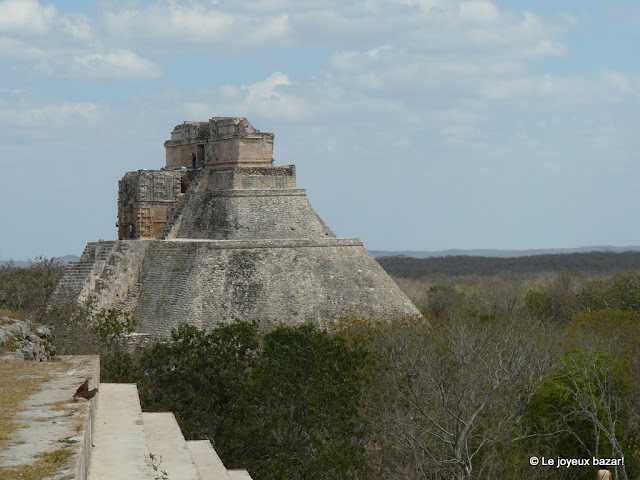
{"type": "Point", "coordinates": [25, 343]}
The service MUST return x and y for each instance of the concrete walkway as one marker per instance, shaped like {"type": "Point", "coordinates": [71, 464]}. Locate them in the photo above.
{"type": "Point", "coordinates": [51, 418]}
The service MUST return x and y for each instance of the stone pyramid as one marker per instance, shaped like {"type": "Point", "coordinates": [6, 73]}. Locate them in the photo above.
{"type": "Point", "coordinates": [221, 233]}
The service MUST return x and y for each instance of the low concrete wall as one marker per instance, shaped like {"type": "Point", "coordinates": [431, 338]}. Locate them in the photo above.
{"type": "Point", "coordinates": [82, 465]}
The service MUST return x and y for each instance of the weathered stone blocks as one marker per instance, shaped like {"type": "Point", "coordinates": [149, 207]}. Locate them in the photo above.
{"type": "Point", "coordinates": [208, 282]}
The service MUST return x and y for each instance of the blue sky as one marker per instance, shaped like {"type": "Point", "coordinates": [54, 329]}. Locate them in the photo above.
{"type": "Point", "coordinates": [414, 124]}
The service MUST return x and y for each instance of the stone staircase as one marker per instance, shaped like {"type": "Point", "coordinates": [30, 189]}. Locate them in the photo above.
{"type": "Point", "coordinates": [193, 190]}
{"type": "Point", "coordinates": [82, 273]}
{"type": "Point", "coordinates": [129, 444]}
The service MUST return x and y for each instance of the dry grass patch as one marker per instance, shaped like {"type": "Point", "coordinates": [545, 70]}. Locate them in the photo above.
{"type": "Point", "coordinates": [65, 404]}
{"type": "Point", "coordinates": [47, 465]}
{"type": "Point", "coordinates": [19, 380]}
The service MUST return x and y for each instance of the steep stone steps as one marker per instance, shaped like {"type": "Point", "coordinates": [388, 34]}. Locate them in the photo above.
{"type": "Point", "coordinates": [119, 444]}
{"type": "Point", "coordinates": [168, 447]}
{"type": "Point", "coordinates": [78, 274]}
{"type": "Point", "coordinates": [193, 190]}
{"type": "Point", "coordinates": [206, 459]}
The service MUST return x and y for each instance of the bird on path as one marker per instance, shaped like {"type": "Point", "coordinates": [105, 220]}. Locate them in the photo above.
{"type": "Point", "coordinates": [89, 394]}
{"type": "Point", "coordinates": [82, 389]}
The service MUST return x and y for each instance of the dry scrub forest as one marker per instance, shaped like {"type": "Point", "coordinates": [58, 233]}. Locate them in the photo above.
{"type": "Point", "coordinates": [514, 358]}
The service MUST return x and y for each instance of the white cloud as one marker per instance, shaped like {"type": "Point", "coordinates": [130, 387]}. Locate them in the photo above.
{"type": "Point", "coordinates": [13, 49]}
{"type": "Point", "coordinates": [620, 82]}
{"type": "Point", "coordinates": [32, 21]}
{"type": "Point", "coordinates": [557, 92]}
{"type": "Point", "coordinates": [276, 98]}
{"type": "Point", "coordinates": [266, 89]}
{"type": "Point", "coordinates": [374, 52]}
{"type": "Point", "coordinates": [386, 45]}
{"type": "Point", "coordinates": [11, 92]}
{"type": "Point", "coordinates": [458, 134]}
{"type": "Point", "coordinates": [479, 11]}
{"type": "Point", "coordinates": [18, 110]}
{"type": "Point", "coordinates": [272, 99]}
{"type": "Point", "coordinates": [425, 24]}
{"type": "Point", "coordinates": [174, 23]}
{"type": "Point", "coordinates": [199, 111]}
{"type": "Point", "coordinates": [546, 48]}
{"type": "Point", "coordinates": [26, 17]}
{"type": "Point", "coordinates": [116, 65]}
{"type": "Point", "coordinates": [524, 86]}
{"type": "Point", "coordinates": [55, 114]}
{"type": "Point", "coordinates": [77, 26]}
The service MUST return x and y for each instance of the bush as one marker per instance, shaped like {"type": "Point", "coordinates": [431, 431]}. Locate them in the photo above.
{"type": "Point", "coordinates": [27, 289]}
{"type": "Point", "coordinates": [283, 404]}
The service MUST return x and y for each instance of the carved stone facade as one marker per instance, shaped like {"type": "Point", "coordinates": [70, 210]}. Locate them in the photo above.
{"type": "Point", "coordinates": [146, 199]}
{"type": "Point", "coordinates": [234, 239]}
{"type": "Point", "coordinates": [222, 141]}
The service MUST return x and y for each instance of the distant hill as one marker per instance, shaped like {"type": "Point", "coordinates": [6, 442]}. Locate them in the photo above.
{"type": "Point", "coordinates": [499, 253]}
{"type": "Point", "coordinates": [589, 262]}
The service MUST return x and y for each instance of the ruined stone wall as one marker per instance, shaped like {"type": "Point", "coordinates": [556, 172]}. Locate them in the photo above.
{"type": "Point", "coordinates": [145, 185]}
{"type": "Point", "coordinates": [245, 150]}
{"type": "Point", "coordinates": [151, 218]}
{"type": "Point", "coordinates": [250, 215]}
{"type": "Point", "coordinates": [252, 178]}
{"type": "Point", "coordinates": [146, 199]}
{"type": "Point", "coordinates": [180, 156]}
{"type": "Point", "coordinates": [226, 141]}
{"type": "Point", "coordinates": [207, 282]}
{"type": "Point", "coordinates": [229, 126]}
{"type": "Point", "coordinates": [189, 132]}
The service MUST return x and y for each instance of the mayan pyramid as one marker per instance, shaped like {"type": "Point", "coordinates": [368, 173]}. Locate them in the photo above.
{"type": "Point", "coordinates": [220, 233]}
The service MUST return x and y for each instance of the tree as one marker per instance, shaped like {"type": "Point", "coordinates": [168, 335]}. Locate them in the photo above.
{"type": "Point", "coordinates": [84, 329]}
{"type": "Point", "coordinates": [449, 395]}
{"type": "Point", "coordinates": [306, 391]}
{"type": "Point", "coordinates": [555, 300]}
{"type": "Point", "coordinates": [283, 404]}
{"type": "Point", "coordinates": [27, 289]}
{"type": "Point", "coordinates": [620, 292]}
{"type": "Point", "coordinates": [203, 378]}
{"type": "Point", "coordinates": [585, 403]}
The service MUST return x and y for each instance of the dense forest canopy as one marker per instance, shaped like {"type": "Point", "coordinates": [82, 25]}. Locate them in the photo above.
{"type": "Point", "coordinates": [590, 262]}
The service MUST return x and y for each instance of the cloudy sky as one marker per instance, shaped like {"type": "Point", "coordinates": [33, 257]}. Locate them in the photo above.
{"type": "Point", "coordinates": [414, 124]}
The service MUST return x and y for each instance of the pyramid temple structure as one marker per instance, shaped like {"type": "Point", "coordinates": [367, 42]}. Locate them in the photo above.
{"type": "Point", "coordinates": [222, 233]}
